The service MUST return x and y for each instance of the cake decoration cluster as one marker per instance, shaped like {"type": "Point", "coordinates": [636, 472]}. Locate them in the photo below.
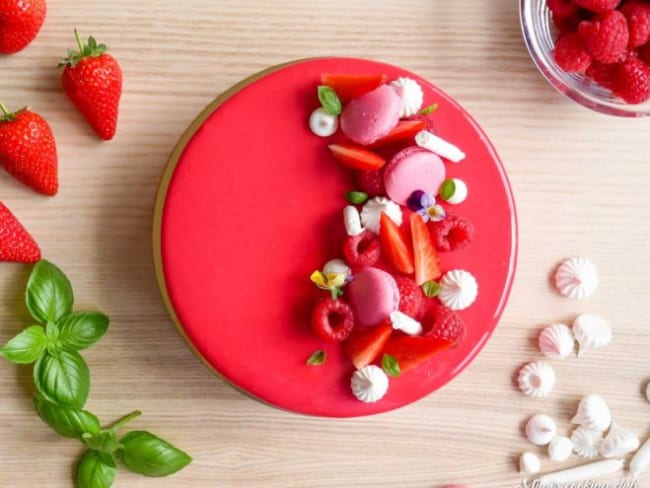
{"type": "Point", "coordinates": [390, 301]}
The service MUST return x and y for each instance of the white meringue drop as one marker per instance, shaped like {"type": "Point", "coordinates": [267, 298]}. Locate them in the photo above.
{"type": "Point", "coordinates": [576, 277]}
{"type": "Point", "coordinates": [536, 379]}
{"type": "Point", "coordinates": [619, 442]}
{"type": "Point", "coordinates": [406, 324]}
{"type": "Point", "coordinates": [458, 289]}
{"type": "Point", "coordinates": [593, 413]}
{"type": "Point", "coordinates": [460, 192]}
{"type": "Point", "coordinates": [560, 448]}
{"type": "Point", "coordinates": [439, 146]}
{"type": "Point", "coordinates": [540, 429]}
{"type": "Point", "coordinates": [586, 442]}
{"type": "Point", "coordinates": [556, 341]}
{"type": "Point", "coordinates": [591, 331]}
{"type": "Point", "coordinates": [372, 210]}
{"type": "Point", "coordinates": [352, 221]}
{"type": "Point", "coordinates": [641, 460]}
{"type": "Point", "coordinates": [529, 463]}
{"type": "Point", "coordinates": [411, 93]}
{"type": "Point", "coordinates": [369, 384]}
{"type": "Point", "coordinates": [338, 266]}
{"type": "Point", "coordinates": [323, 124]}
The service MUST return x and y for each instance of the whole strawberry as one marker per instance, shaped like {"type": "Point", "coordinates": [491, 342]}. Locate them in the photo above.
{"type": "Point", "coordinates": [28, 149]}
{"type": "Point", "coordinates": [92, 79]}
{"type": "Point", "coordinates": [20, 23]}
{"type": "Point", "coordinates": [15, 242]}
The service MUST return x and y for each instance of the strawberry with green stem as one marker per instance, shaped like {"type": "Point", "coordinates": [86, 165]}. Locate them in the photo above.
{"type": "Point", "coordinates": [92, 79]}
{"type": "Point", "coordinates": [20, 23]}
{"type": "Point", "coordinates": [28, 149]}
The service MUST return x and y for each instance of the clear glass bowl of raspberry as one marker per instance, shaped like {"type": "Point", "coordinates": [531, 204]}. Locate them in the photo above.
{"type": "Point", "coordinates": [540, 34]}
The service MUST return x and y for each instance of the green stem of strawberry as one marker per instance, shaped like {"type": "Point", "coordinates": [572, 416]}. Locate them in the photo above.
{"type": "Point", "coordinates": [6, 114]}
{"type": "Point", "coordinates": [79, 41]}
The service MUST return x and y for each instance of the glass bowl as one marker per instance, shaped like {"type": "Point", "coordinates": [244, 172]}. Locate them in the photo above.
{"type": "Point", "coordinates": [539, 34]}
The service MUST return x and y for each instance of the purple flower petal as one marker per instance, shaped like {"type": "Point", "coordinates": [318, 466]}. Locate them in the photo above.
{"type": "Point", "coordinates": [427, 200]}
{"type": "Point", "coordinates": [413, 202]}
{"type": "Point", "coordinates": [424, 213]}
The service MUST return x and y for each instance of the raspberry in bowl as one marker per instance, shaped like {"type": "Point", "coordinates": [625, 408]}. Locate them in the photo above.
{"type": "Point", "coordinates": [594, 52]}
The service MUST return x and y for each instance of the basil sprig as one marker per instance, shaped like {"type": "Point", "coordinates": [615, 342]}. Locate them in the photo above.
{"type": "Point", "coordinates": [62, 382]}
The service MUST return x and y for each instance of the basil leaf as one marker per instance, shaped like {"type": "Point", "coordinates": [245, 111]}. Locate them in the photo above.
{"type": "Point", "coordinates": [49, 293]}
{"type": "Point", "coordinates": [146, 454]}
{"type": "Point", "coordinates": [431, 289]}
{"type": "Point", "coordinates": [95, 470]}
{"type": "Point", "coordinates": [80, 330]}
{"type": "Point", "coordinates": [356, 197]}
{"type": "Point", "coordinates": [390, 365]}
{"type": "Point", "coordinates": [317, 358]}
{"type": "Point", "coordinates": [26, 347]}
{"type": "Point", "coordinates": [429, 110]}
{"type": "Point", "coordinates": [63, 378]}
{"type": "Point", "coordinates": [66, 421]}
{"type": "Point", "coordinates": [329, 100]}
{"type": "Point", "coordinates": [103, 441]}
{"type": "Point", "coordinates": [447, 189]}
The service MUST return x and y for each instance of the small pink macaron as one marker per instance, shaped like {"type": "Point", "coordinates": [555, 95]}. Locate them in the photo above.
{"type": "Point", "coordinates": [372, 115]}
{"type": "Point", "coordinates": [373, 295]}
{"type": "Point", "coordinates": [413, 169]}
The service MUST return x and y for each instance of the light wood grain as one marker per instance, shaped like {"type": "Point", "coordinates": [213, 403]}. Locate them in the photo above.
{"type": "Point", "coordinates": [581, 184]}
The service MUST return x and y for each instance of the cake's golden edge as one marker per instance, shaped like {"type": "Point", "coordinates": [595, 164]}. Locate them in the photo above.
{"type": "Point", "coordinates": [163, 186]}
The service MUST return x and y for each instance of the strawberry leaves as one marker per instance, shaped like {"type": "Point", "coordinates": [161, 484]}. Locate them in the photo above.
{"type": "Point", "coordinates": [89, 50]}
{"type": "Point", "coordinates": [62, 382]}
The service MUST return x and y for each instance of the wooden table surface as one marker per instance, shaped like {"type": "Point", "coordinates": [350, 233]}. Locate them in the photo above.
{"type": "Point", "coordinates": [581, 184]}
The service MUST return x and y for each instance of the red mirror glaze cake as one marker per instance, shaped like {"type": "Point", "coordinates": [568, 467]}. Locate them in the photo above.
{"type": "Point", "coordinates": [253, 203]}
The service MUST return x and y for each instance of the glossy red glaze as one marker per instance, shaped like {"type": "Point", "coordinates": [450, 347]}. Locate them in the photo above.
{"type": "Point", "coordinates": [253, 208]}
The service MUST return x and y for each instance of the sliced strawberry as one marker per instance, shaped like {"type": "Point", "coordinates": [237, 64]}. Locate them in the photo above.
{"type": "Point", "coordinates": [411, 351]}
{"type": "Point", "coordinates": [351, 86]}
{"type": "Point", "coordinates": [394, 245]}
{"type": "Point", "coordinates": [425, 259]}
{"type": "Point", "coordinates": [405, 129]}
{"type": "Point", "coordinates": [364, 344]}
{"type": "Point", "coordinates": [356, 157]}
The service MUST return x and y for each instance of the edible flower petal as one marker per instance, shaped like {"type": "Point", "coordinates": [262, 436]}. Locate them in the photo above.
{"type": "Point", "coordinates": [429, 210]}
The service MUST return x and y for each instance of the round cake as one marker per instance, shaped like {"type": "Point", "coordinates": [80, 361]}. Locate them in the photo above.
{"type": "Point", "coordinates": [251, 204]}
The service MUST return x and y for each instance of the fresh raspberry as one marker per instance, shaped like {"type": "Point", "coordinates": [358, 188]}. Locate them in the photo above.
{"type": "Point", "coordinates": [638, 21]}
{"type": "Point", "coordinates": [411, 296]}
{"type": "Point", "coordinates": [602, 74]}
{"type": "Point", "coordinates": [570, 24]}
{"type": "Point", "coordinates": [598, 6]}
{"type": "Point", "coordinates": [362, 250]}
{"type": "Point", "coordinates": [371, 182]}
{"type": "Point", "coordinates": [451, 233]}
{"type": "Point", "coordinates": [442, 322]}
{"type": "Point", "coordinates": [605, 37]}
{"type": "Point", "coordinates": [332, 320]}
{"type": "Point", "coordinates": [570, 54]}
{"type": "Point", "coordinates": [644, 53]}
{"type": "Point", "coordinates": [632, 81]}
{"type": "Point", "coordinates": [562, 9]}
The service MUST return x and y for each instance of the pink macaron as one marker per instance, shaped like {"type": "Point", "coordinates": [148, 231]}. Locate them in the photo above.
{"type": "Point", "coordinates": [373, 295]}
{"type": "Point", "coordinates": [413, 169]}
{"type": "Point", "coordinates": [371, 116]}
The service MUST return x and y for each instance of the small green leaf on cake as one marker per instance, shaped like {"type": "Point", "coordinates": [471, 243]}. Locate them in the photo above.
{"type": "Point", "coordinates": [428, 110]}
{"type": "Point", "coordinates": [447, 189]}
{"type": "Point", "coordinates": [317, 358]}
{"type": "Point", "coordinates": [390, 365]}
{"type": "Point", "coordinates": [356, 197]}
{"type": "Point", "coordinates": [329, 100]}
{"type": "Point", "coordinates": [431, 289]}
